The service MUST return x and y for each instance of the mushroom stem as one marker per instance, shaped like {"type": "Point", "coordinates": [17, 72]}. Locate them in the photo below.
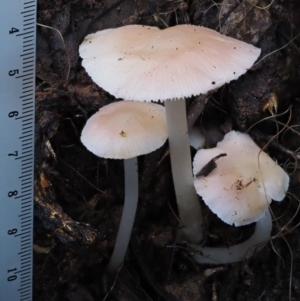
{"type": "Point", "coordinates": [238, 252]}
{"type": "Point", "coordinates": [128, 215]}
{"type": "Point", "coordinates": [187, 199]}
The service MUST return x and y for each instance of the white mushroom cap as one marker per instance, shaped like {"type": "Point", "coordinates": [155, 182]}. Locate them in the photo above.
{"type": "Point", "coordinates": [125, 129]}
{"type": "Point", "coordinates": [196, 137]}
{"type": "Point", "coordinates": [145, 63]}
{"type": "Point", "coordinates": [241, 187]}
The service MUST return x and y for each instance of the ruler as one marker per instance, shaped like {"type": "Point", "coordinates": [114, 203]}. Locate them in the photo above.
{"type": "Point", "coordinates": [17, 94]}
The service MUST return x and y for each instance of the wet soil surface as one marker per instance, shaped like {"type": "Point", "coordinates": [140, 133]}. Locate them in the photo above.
{"type": "Point", "coordinates": [79, 197]}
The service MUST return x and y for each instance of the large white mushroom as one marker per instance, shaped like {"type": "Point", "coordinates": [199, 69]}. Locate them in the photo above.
{"type": "Point", "coordinates": [125, 130]}
{"type": "Point", "coordinates": [143, 63]}
{"type": "Point", "coordinates": [238, 181]}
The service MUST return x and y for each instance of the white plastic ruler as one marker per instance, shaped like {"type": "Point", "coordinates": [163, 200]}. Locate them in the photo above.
{"type": "Point", "coordinates": [17, 95]}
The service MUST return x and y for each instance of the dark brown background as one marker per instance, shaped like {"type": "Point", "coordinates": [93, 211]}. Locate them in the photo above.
{"type": "Point", "coordinates": [79, 197]}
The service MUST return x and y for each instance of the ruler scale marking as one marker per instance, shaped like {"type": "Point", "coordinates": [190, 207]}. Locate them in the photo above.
{"type": "Point", "coordinates": [17, 86]}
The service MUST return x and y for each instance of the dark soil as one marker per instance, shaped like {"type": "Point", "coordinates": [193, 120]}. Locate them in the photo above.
{"type": "Point", "coordinates": [79, 197]}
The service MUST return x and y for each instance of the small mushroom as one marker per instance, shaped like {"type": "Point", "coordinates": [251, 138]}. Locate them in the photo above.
{"type": "Point", "coordinates": [125, 130]}
{"type": "Point", "coordinates": [196, 137]}
{"type": "Point", "coordinates": [144, 63]}
{"type": "Point", "coordinates": [241, 185]}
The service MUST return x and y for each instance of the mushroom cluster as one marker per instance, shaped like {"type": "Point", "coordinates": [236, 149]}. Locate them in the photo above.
{"type": "Point", "coordinates": [144, 63]}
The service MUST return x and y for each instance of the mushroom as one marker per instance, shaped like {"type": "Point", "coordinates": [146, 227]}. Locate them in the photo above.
{"type": "Point", "coordinates": [238, 181]}
{"type": "Point", "coordinates": [125, 130]}
{"type": "Point", "coordinates": [144, 63]}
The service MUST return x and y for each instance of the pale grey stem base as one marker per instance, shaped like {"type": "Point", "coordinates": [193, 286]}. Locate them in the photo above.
{"type": "Point", "coordinates": [238, 252]}
{"type": "Point", "coordinates": [187, 199]}
{"type": "Point", "coordinates": [128, 215]}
